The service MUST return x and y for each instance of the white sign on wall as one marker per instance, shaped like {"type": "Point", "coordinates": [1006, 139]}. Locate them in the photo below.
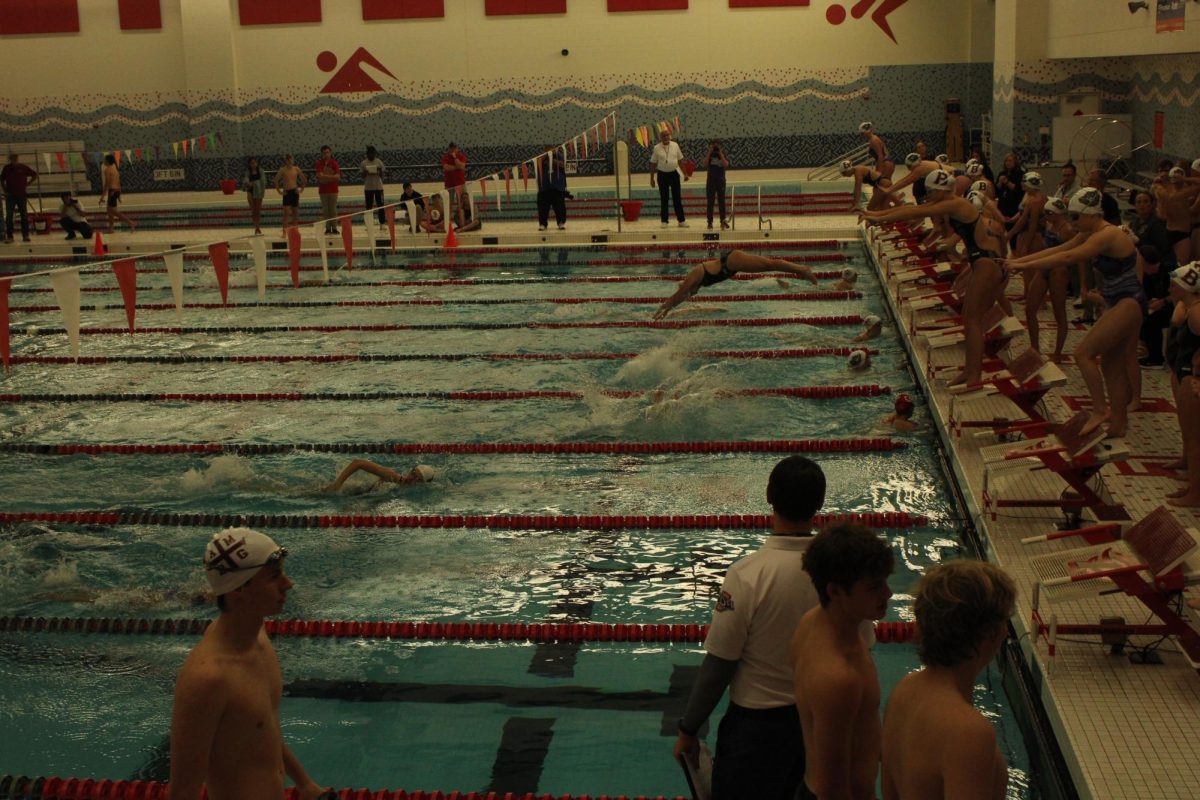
{"type": "Point", "coordinates": [168, 174]}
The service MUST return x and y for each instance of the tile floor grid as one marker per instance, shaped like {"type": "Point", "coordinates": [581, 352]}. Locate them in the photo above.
{"type": "Point", "coordinates": [1127, 731]}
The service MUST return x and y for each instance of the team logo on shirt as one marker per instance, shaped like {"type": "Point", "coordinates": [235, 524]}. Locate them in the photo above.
{"type": "Point", "coordinates": [725, 602]}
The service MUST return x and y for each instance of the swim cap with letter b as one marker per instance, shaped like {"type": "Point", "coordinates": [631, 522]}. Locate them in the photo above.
{"type": "Point", "coordinates": [942, 158]}
{"type": "Point", "coordinates": [1187, 277]}
{"type": "Point", "coordinates": [974, 170]}
{"type": "Point", "coordinates": [981, 186]}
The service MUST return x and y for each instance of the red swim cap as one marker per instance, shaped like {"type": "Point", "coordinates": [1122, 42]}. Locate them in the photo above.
{"type": "Point", "coordinates": [904, 405]}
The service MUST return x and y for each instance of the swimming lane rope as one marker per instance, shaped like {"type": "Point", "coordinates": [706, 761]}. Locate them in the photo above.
{"type": "Point", "coordinates": [885, 632]}
{"type": "Point", "coordinates": [803, 352]}
{"type": "Point", "coordinates": [524, 522]}
{"type": "Point", "coordinates": [878, 444]}
{"type": "Point", "coordinates": [483, 301]}
{"type": "Point", "coordinates": [666, 324]}
{"type": "Point", "coordinates": [805, 392]}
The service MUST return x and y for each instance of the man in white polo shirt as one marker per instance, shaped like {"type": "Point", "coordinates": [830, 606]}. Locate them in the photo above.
{"type": "Point", "coordinates": [664, 169]}
{"type": "Point", "coordinates": [760, 750]}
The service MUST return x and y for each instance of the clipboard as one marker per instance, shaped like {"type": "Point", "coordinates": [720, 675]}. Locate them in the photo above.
{"type": "Point", "coordinates": [698, 772]}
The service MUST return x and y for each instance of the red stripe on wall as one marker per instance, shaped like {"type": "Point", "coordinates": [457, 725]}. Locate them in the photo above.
{"type": "Point", "coordinates": [403, 9]}
{"type": "Point", "coordinates": [766, 3]}
{"type": "Point", "coordinates": [38, 16]}
{"type": "Point", "coordinates": [647, 5]}
{"type": "Point", "coordinates": [500, 8]}
{"type": "Point", "coordinates": [140, 15]}
{"type": "Point", "coordinates": [278, 12]}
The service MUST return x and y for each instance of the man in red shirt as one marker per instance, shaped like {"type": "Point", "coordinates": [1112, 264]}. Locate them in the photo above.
{"type": "Point", "coordinates": [329, 175]}
{"type": "Point", "coordinates": [15, 178]}
{"type": "Point", "coordinates": [454, 169]}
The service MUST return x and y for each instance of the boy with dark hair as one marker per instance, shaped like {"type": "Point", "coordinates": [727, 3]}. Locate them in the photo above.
{"type": "Point", "coordinates": [935, 744]}
{"type": "Point", "coordinates": [760, 753]}
{"type": "Point", "coordinates": [836, 685]}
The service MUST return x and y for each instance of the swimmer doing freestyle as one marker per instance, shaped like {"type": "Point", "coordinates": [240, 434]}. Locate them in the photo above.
{"type": "Point", "coordinates": [716, 270]}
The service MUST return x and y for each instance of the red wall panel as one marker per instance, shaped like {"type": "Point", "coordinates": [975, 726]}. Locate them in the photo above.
{"type": "Point", "coordinates": [38, 16]}
{"type": "Point", "coordinates": [499, 8]}
{"type": "Point", "coordinates": [140, 15]}
{"type": "Point", "coordinates": [403, 9]}
{"type": "Point", "coordinates": [278, 12]}
{"type": "Point", "coordinates": [647, 5]}
{"type": "Point", "coordinates": [766, 3]}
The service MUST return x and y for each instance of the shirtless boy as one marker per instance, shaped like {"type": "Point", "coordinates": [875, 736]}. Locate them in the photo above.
{"type": "Point", "coordinates": [1175, 197]}
{"type": "Point", "coordinates": [936, 746]}
{"type": "Point", "coordinates": [290, 182]}
{"type": "Point", "coordinates": [225, 726]}
{"type": "Point", "coordinates": [837, 687]}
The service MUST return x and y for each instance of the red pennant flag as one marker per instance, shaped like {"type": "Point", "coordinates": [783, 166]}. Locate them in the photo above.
{"type": "Point", "coordinates": [525, 174]}
{"type": "Point", "coordinates": [202, 144]}
{"type": "Point", "coordinates": [508, 184]}
{"type": "Point", "coordinates": [127, 279]}
{"type": "Point", "coordinates": [219, 253]}
{"type": "Point", "coordinates": [4, 322]}
{"type": "Point", "coordinates": [117, 157]}
{"type": "Point", "coordinates": [185, 146]}
{"type": "Point", "coordinates": [293, 237]}
{"type": "Point", "coordinates": [137, 155]}
{"type": "Point", "coordinates": [391, 218]}
{"type": "Point", "coordinates": [348, 244]}
{"type": "Point", "coordinates": [62, 161]}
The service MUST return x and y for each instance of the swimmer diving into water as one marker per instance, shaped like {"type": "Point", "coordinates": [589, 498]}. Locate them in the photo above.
{"type": "Point", "coordinates": [715, 270]}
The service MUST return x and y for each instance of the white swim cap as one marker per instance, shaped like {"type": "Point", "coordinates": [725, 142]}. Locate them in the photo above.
{"type": "Point", "coordinates": [1085, 201]}
{"type": "Point", "coordinates": [849, 274]}
{"type": "Point", "coordinates": [1196, 165]}
{"type": "Point", "coordinates": [1187, 277]}
{"type": "Point", "coordinates": [1033, 179]}
{"type": "Point", "coordinates": [974, 169]}
{"type": "Point", "coordinates": [865, 127]}
{"type": "Point", "coordinates": [981, 186]}
{"type": "Point", "coordinates": [978, 199]}
{"type": "Point", "coordinates": [426, 472]}
{"type": "Point", "coordinates": [1054, 205]}
{"type": "Point", "coordinates": [1176, 172]}
{"type": "Point", "coordinates": [847, 167]}
{"type": "Point", "coordinates": [911, 160]}
{"type": "Point", "coordinates": [870, 321]}
{"type": "Point", "coordinates": [939, 181]}
{"type": "Point", "coordinates": [859, 359]}
{"type": "Point", "coordinates": [973, 160]}
{"type": "Point", "coordinates": [942, 158]}
{"type": "Point", "coordinates": [234, 556]}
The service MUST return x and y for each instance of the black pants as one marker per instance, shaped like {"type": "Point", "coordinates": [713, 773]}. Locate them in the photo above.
{"type": "Point", "coordinates": [72, 228]}
{"type": "Point", "coordinates": [715, 191]}
{"type": "Point", "coordinates": [1152, 333]}
{"type": "Point", "coordinates": [668, 182]}
{"type": "Point", "coordinates": [552, 198]}
{"type": "Point", "coordinates": [12, 205]}
{"type": "Point", "coordinates": [760, 754]}
{"type": "Point", "coordinates": [374, 199]}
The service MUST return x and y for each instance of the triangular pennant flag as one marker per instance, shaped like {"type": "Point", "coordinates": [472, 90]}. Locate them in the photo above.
{"type": "Point", "coordinates": [66, 292]}
{"type": "Point", "coordinates": [293, 240]}
{"type": "Point", "coordinates": [585, 143]}
{"type": "Point", "coordinates": [138, 154]}
{"type": "Point", "coordinates": [319, 232]}
{"type": "Point", "coordinates": [219, 253]}
{"type": "Point", "coordinates": [258, 245]}
{"type": "Point", "coordinates": [525, 174]}
{"type": "Point", "coordinates": [117, 157]}
{"type": "Point", "coordinates": [46, 157]}
{"type": "Point", "coordinates": [185, 147]}
{"type": "Point", "coordinates": [678, 126]}
{"type": "Point", "coordinates": [203, 144]}
{"type": "Point", "coordinates": [390, 213]}
{"type": "Point", "coordinates": [173, 259]}
{"type": "Point", "coordinates": [126, 274]}
{"type": "Point", "coordinates": [508, 184]}
{"type": "Point", "coordinates": [348, 243]}
{"type": "Point", "coordinates": [74, 160]}
{"type": "Point", "coordinates": [129, 155]}
{"type": "Point", "coordinates": [175, 149]}
{"type": "Point", "coordinates": [212, 142]}
{"type": "Point", "coordinates": [4, 323]}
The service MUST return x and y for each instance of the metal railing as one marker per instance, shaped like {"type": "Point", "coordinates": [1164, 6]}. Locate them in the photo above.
{"type": "Point", "coordinates": [833, 168]}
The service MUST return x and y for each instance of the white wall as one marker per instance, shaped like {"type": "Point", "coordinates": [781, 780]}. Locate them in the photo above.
{"type": "Point", "coordinates": [1090, 28]}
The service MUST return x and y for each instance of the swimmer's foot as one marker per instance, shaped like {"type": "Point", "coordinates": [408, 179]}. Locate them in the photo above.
{"type": "Point", "coordinates": [1094, 421]}
{"type": "Point", "coordinates": [1178, 493]}
{"type": "Point", "coordinates": [1135, 405]}
{"type": "Point", "coordinates": [1176, 465]}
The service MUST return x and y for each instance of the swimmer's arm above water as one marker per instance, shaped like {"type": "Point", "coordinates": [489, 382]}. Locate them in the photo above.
{"type": "Point", "coordinates": [687, 287]}
{"type": "Point", "coordinates": [383, 473]}
{"type": "Point", "coordinates": [907, 213]}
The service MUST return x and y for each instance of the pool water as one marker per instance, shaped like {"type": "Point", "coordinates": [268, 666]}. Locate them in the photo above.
{"type": "Point", "coordinates": [593, 718]}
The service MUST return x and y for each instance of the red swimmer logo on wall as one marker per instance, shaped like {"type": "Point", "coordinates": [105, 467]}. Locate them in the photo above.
{"type": "Point", "coordinates": [836, 13]}
{"type": "Point", "coordinates": [351, 77]}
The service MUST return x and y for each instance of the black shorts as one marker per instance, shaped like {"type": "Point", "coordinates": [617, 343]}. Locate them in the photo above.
{"type": "Point", "coordinates": [113, 199]}
{"type": "Point", "coordinates": [1174, 237]}
{"type": "Point", "coordinates": [291, 198]}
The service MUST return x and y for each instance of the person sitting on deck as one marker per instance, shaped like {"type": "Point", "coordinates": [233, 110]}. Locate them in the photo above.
{"type": "Point", "coordinates": [716, 270]}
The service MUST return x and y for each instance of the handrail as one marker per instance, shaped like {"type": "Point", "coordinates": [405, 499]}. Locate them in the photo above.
{"type": "Point", "coordinates": [832, 168]}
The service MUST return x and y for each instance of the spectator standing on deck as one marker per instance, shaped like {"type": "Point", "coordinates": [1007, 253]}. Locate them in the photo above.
{"type": "Point", "coordinates": [454, 169]}
{"type": "Point", "coordinates": [552, 189]}
{"type": "Point", "coordinates": [255, 184]}
{"type": "Point", "coordinates": [716, 161]}
{"type": "Point", "coordinates": [373, 168]}
{"type": "Point", "coordinates": [664, 171]}
{"type": "Point", "coordinates": [329, 175]}
{"type": "Point", "coordinates": [15, 179]}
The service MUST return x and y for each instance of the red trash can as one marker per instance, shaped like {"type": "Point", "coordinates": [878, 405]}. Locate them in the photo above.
{"type": "Point", "coordinates": [228, 186]}
{"type": "Point", "coordinates": [631, 210]}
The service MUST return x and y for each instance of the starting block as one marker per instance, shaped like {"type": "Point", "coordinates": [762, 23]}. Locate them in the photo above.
{"type": "Point", "coordinates": [1025, 382]}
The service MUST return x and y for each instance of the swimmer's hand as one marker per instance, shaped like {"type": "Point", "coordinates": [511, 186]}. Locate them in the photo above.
{"type": "Point", "coordinates": [662, 312]}
{"type": "Point", "coordinates": [686, 746]}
